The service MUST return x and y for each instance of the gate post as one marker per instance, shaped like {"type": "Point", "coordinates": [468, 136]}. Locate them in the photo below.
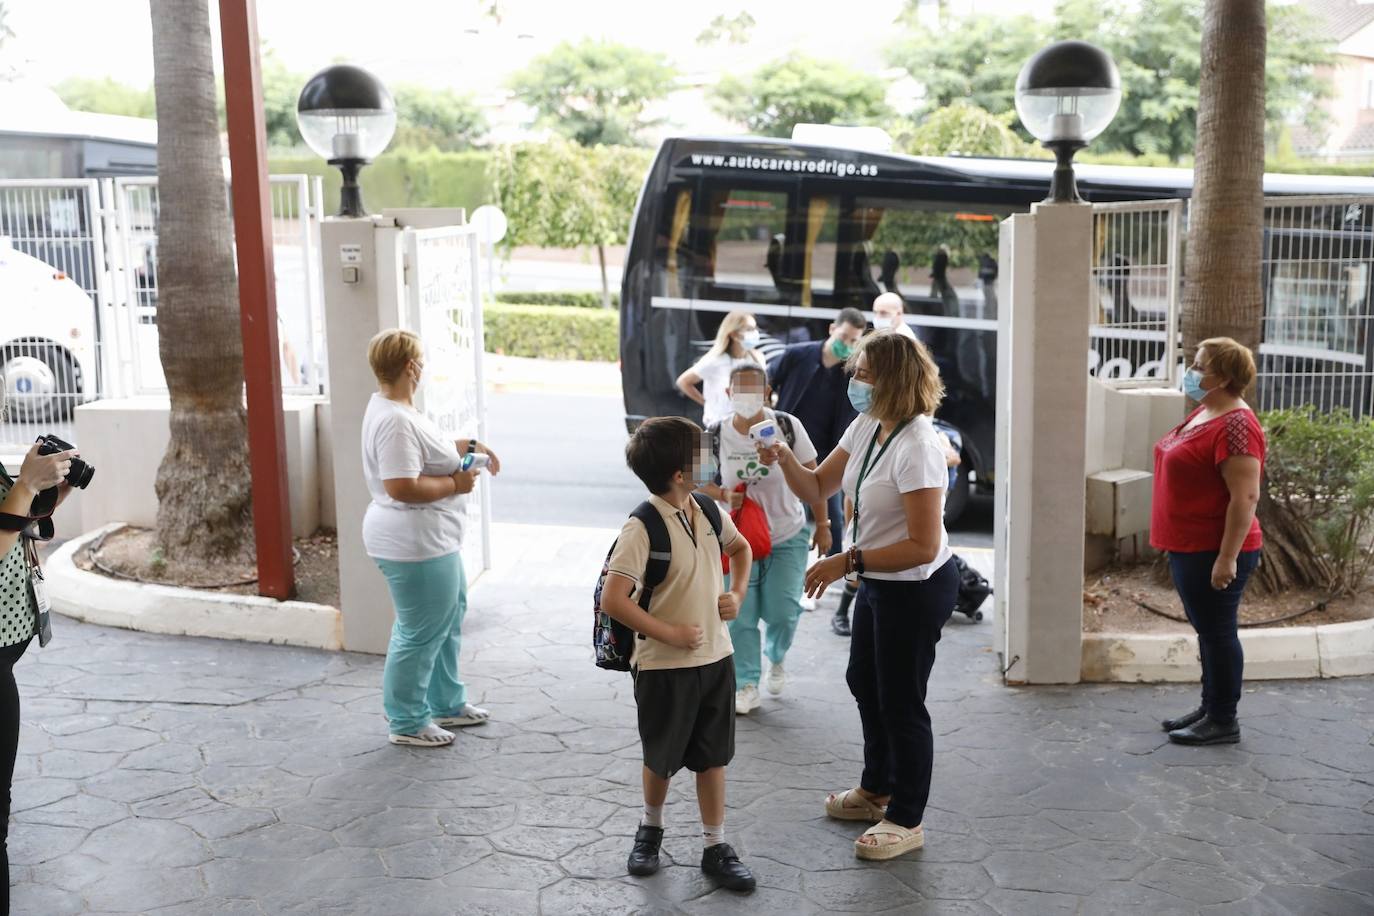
{"type": "Point", "coordinates": [1042, 400]}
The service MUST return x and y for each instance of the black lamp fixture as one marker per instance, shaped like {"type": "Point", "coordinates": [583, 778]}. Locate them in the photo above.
{"type": "Point", "coordinates": [347, 116]}
{"type": "Point", "coordinates": [1066, 95]}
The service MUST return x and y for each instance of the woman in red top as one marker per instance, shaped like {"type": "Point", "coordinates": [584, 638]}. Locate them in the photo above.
{"type": "Point", "coordinates": [1206, 487]}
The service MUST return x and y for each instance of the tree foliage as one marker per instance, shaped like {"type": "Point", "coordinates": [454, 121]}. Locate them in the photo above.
{"type": "Point", "coordinates": [106, 96]}
{"type": "Point", "coordinates": [735, 30]}
{"type": "Point", "coordinates": [437, 118]}
{"type": "Point", "coordinates": [1157, 47]}
{"type": "Point", "coordinates": [595, 92]}
{"type": "Point", "coordinates": [801, 90]}
{"type": "Point", "coordinates": [961, 128]}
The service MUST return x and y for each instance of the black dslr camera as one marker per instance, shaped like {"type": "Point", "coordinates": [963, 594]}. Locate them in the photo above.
{"type": "Point", "coordinates": [81, 472]}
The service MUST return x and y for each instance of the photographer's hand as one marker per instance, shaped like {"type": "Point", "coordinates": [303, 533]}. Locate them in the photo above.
{"type": "Point", "coordinates": [42, 472]}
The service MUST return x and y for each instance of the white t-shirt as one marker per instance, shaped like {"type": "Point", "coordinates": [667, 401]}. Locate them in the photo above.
{"type": "Point", "coordinates": [715, 380]}
{"type": "Point", "coordinates": [739, 463]}
{"type": "Point", "coordinates": [913, 461]}
{"type": "Point", "coordinates": [399, 441]}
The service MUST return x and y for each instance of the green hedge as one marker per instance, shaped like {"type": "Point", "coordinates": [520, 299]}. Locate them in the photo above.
{"type": "Point", "coordinates": [572, 298]}
{"type": "Point", "coordinates": [552, 332]}
{"type": "Point", "coordinates": [405, 178]}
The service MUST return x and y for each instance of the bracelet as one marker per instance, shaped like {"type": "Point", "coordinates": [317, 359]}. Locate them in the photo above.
{"type": "Point", "coordinates": [472, 446]}
{"type": "Point", "coordinates": [859, 561]}
{"type": "Point", "coordinates": [849, 560]}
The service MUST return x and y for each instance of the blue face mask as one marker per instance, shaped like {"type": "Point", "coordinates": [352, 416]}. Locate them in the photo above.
{"type": "Point", "coordinates": [1192, 385]}
{"type": "Point", "coordinates": [705, 470]}
{"type": "Point", "coordinates": [860, 395]}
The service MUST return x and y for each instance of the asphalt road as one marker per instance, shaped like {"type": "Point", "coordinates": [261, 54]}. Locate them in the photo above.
{"type": "Point", "coordinates": [563, 463]}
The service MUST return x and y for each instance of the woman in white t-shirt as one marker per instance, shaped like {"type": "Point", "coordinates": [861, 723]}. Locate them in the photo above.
{"type": "Point", "coordinates": [736, 339]}
{"type": "Point", "coordinates": [413, 529]}
{"type": "Point", "coordinates": [775, 583]}
{"type": "Point", "coordinates": [891, 464]}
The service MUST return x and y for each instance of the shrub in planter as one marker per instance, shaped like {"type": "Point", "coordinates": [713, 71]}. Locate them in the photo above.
{"type": "Point", "coordinates": [577, 298]}
{"type": "Point", "coordinates": [552, 332]}
{"type": "Point", "coordinates": [1317, 506]}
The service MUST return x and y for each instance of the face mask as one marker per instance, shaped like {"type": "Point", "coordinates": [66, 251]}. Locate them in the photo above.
{"type": "Point", "coordinates": [747, 403]}
{"type": "Point", "coordinates": [840, 350]}
{"type": "Point", "coordinates": [750, 340]}
{"type": "Point", "coordinates": [860, 395]}
{"type": "Point", "coordinates": [1192, 385]}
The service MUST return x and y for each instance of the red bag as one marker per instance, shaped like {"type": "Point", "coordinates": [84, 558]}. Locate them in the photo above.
{"type": "Point", "coordinates": [752, 523]}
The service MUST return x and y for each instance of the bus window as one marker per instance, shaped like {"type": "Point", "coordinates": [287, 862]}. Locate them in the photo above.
{"type": "Point", "coordinates": [940, 257]}
{"type": "Point", "coordinates": [672, 254]}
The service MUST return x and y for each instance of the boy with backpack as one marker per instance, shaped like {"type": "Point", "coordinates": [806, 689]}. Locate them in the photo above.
{"type": "Point", "coordinates": [683, 660]}
{"type": "Point", "coordinates": [779, 540]}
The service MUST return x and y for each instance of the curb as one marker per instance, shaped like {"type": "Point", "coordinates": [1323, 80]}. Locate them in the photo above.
{"type": "Point", "coordinates": [1271, 653]}
{"type": "Point", "coordinates": [93, 598]}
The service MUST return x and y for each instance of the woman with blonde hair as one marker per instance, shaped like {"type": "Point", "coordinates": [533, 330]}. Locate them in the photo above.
{"type": "Point", "coordinates": [891, 464]}
{"type": "Point", "coordinates": [1206, 488]}
{"type": "Point", "coordinates": [413, 530]}
{"type": "Point", "coordinates": [737, 338]}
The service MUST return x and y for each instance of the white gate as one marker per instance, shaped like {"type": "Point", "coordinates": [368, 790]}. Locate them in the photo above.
{"type": "Point", "coordinates": [55, 306]}
{"type": "Point", "coordinates": [296, 212]}
{"type": "Point", "coordinates": [444, 306]}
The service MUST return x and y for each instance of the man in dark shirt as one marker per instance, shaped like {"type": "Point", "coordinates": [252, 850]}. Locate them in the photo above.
{"type": "Point", "coordinates": [812, 385]}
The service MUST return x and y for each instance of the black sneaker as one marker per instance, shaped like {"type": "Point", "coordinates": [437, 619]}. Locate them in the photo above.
{"type": "Point", "coordinates": [1205, 731]}
{"type": "Point", "coordinates": [644, 856]}
{"type": "Point", "coordinates": [720, 863]}
{"type": "Point", "coordinates": [1184, 720]}
{"type": "Point", "coordinates": [840, 623]}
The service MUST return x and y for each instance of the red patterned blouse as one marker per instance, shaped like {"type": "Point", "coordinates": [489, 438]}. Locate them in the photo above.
{"type": "Point", "coordinates": [1190, 496]}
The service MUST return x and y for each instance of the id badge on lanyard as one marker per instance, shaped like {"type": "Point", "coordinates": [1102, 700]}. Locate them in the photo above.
{"type": "Point", "coordinates": [39, 587]}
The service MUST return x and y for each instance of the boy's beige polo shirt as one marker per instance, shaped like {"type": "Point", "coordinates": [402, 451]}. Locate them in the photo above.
{"type": "Point", "coordinates": [689, 594]}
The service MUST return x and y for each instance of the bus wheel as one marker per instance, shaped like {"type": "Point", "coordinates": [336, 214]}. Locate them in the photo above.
{"type": "Point", "coordinates": [40, 383]}
{"type": "Point", "coordinates": [956, 500]}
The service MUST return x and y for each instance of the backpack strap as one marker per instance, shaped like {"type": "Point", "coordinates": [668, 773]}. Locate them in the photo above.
{"type": "Point", "coordinates": [660, 551]}
{"type": "Point", "coordinates": [708, 506]}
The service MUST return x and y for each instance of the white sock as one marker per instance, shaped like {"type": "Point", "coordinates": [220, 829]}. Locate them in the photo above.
{"type": "Point", "coordinates": [653, 816]}
{"type": "Point", "coordinates": [712, 835]}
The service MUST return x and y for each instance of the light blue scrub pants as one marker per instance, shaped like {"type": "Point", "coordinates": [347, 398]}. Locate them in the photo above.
{"type": "Point", "coordinates": [420, 680]}
{"type": "Point", "coordinates": [775, 590]}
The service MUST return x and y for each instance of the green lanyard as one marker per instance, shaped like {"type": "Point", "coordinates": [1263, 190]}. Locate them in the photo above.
{"type": "Point", "coordinates": [863, 471]}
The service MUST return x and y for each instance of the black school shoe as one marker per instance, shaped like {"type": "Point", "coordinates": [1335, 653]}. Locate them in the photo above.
{"type": "Point", "coordinates": [721, 864]}
{"type": "Point", "coordinates": [644, 856]}
{"type": "Point", "coordinates": [1184, 720]}
{"type": "Point", "coordinates": [1205, 731]}
{"type": "Point", "coordinates": [840, 623]}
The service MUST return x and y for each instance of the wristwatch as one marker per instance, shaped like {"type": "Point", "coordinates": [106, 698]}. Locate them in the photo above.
{"type": "Point", "coordinates": [472, 446]}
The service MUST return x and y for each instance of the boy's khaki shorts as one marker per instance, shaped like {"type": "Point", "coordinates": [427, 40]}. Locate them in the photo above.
{"type": "Point", "coordinates": [687, 717]}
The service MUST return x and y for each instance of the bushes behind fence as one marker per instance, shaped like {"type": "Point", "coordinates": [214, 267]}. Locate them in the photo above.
{"type": "Point", "coordinates": [552, 332]}
{"type": "Point", "coordinates": [573, 298]}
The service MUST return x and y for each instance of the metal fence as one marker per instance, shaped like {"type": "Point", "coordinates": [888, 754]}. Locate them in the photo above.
{"type": "Point", "coordinates": [78, 296]}
{"type": "Point", "coordinates": [1317, 340]}
{"type": "Point", "coordinates": [444, 306]}
{"type": "Point", "coordinates": [1137, 254]}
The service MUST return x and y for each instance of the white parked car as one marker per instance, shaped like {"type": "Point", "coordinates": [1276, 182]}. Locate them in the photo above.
{"type": "Point", "coordinates": [47, 339]}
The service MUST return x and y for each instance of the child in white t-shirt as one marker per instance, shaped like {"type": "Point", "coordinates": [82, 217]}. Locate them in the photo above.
{"type": "Point", "coordinates": [775, 584]}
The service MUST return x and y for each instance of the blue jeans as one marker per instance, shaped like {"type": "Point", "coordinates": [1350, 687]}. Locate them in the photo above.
{"type": "Point", "coordinates": [1213, 615]}
{"type": "Point", "coordinates": [420, 680]}
{"type": "Point", "coordinates": [774, 598]}
{"type": "Point", "coordinates": [896, 626]}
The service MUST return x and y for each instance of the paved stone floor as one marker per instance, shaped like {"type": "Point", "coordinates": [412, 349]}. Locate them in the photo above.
{"type": "Point", "coordinates": [189, 776]}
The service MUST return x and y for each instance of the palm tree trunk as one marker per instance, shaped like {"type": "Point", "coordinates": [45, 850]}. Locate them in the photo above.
{"type": "Point", "coordinates": [203, 485]}
{"type": "Point", "coordinates": [1223, 296]}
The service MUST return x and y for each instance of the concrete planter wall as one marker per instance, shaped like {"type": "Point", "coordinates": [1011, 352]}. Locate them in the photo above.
{"type": "Point", "coordinates": [95, 598]}
{"type": "Point", "coordinates": [1271, 653]}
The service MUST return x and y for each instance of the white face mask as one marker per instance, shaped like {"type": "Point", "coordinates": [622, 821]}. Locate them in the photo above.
{"type": "Point", "coordinates": [750, 340]}
{"type": "Point", "coordinates": [747, 403]}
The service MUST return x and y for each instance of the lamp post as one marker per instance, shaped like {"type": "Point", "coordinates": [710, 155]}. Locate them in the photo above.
{"type": "Point", "coordinates": [347, 116]}
{"type": "Point", "coordinates": [1066, 95]}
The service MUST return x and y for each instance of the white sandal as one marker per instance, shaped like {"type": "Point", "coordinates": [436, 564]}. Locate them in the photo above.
{"type": "Point", "coordinates": [907, 840]}
{"type": "Point", "coordinates": [850, 805]}
{"type": "Point", "coordinates": [429, 736]}
{"type": "Point", "coordinates": [471, 715]}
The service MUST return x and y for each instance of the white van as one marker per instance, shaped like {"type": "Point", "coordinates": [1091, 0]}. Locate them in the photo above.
{"type": "Point", "coordinates": [47, 339]}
